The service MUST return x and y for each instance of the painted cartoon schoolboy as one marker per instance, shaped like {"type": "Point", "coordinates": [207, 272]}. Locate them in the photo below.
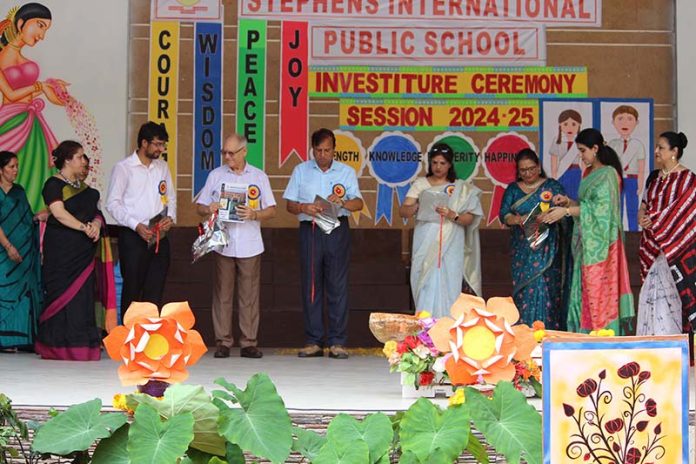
{"type": "Point", "coordinates": [632, 154]}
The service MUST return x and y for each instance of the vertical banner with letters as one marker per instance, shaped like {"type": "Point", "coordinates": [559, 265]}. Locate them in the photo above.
{"type": "Point", "coordinates": [163, 89]}
{"type": "Point", "coordinates": [251, 87]}
{"type": "Point", "coordinates": [207, 102]}
{"type": "Point", "coordinates": [294, 100]}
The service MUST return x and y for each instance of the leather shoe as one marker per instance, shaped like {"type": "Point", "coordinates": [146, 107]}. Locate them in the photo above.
{"type": "Point", "coordinates": [311, 351]}
{"type": "Point", "coordinates": [222, 352]}
{"type": "Point", "coordinates": [250, 352]}
{"type": "Point", "coordinates": [338, 352]}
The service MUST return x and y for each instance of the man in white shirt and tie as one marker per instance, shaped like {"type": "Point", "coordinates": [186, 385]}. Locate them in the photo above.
{"type": "Point", "coordinates": [141, 188]}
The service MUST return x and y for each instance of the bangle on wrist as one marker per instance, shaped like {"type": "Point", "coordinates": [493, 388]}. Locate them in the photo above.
{"type": "Point", "coordinates": [567, 213]}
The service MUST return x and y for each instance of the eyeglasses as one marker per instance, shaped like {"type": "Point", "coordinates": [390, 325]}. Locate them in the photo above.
{"type": "Point", "coordinates": [438, 150]}
{"type": "Point", "coordinates": [159, 144]}
{"type": "Point", "coordinates": [232, 152]}
{"type": "Point", "coordinates": [526, 170]}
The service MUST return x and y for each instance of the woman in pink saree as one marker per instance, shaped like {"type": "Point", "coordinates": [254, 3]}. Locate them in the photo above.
{"type": "Point", "coordinates": [23, 129]}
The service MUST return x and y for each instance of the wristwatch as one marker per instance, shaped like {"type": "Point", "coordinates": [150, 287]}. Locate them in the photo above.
{"type": "Point", "coordinates": [456, 218]}
{"type": "Point", "coordinates": [567, 211]}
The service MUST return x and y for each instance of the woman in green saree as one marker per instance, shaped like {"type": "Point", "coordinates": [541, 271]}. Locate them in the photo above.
{"type": "Point", "coordinates": [20, 271]}
{"type": "Point", "coordinates": [600, 295]}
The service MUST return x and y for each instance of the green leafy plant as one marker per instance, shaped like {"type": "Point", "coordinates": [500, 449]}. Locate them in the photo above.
{"type": "Point", "coordinates": [190, 426]}
{"type": "Point", "coordinates": [508, 422]}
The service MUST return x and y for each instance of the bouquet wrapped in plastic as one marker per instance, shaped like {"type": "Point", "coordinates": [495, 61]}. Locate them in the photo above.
{"type": "Point", "coordinates": [211, 237]}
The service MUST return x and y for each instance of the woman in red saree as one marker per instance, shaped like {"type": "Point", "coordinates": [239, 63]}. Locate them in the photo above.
{"type": "Point", "coordinates": [67, 326]}
{"type": "Point", "coordinates": [668, 243]}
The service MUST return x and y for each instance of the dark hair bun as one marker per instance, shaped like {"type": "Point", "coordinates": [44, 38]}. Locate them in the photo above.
{"type": "Point", "coordinates": [683, 141]}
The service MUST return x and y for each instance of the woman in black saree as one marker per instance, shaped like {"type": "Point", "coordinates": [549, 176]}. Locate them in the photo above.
{"type": "Point", "coordinates": [67, 326]}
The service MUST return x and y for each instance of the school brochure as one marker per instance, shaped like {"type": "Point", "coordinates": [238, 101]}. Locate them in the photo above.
{"type": "Point", "coordinates": [231, 196]}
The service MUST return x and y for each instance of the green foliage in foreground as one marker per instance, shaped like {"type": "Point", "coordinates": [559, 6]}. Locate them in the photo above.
{"type": "Point", "coordinates": [190, 426]}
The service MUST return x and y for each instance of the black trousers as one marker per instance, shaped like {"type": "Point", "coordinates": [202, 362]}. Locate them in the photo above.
{"type": "Point", "coordinates": [324, 259]}
{"type": "Point", "coordinates": [144, 272]}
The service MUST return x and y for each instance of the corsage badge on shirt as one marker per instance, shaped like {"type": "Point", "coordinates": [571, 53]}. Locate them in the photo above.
{"type": "Point", "coordinates": [253, 195]}
{"type": "Point", "coordinates": [339, 190]}
{"type": "Point", "coordinates": [449, 190]}
{"type": "Point", "coordinates": [162, 189]}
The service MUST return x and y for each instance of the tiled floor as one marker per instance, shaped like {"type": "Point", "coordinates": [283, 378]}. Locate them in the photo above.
{"type": "Point", "coordinates": [361, 383]}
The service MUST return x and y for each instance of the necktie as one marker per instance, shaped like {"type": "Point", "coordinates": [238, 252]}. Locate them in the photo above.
{"type": "Point", "coordinates": [570, 145]}
{"type": "Point", "coordinates": [625, 145]}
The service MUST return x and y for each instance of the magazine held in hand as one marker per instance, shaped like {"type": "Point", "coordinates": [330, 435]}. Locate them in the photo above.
{"type": "Point", "coordinates": [231, 196]}
{"type": "Point", "coordinates": [327, 220]}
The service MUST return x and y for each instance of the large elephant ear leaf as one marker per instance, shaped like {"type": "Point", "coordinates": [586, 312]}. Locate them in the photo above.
{"type": "Point", "coordinates": [508, 422]}
{"type": "Point", "coordinates": [152, 440]}
{"type": "Point", "coordinates": [425, 428]}
{"type": "Point", "coordinates": [261, 424]}
{"type": "Point", "coordinates": [180, 398]}
{"type": "Point", "coordinates": [375, 430]}
{"type": "Point", "coordinates": [343, 453]}
{"type": "Point", "coordinates": [76, 429]}
{"type": "Point", "coordinates": [114, 449]}
{"type": "Point", "coordinates": [307, 442]}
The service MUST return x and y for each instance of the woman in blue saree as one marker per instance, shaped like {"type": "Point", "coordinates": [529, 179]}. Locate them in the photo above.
{"type": "Point", "coordinates": [446, 259]}
{"type": "Point", "coordinates": [20, 272]}
{"type": "Point", "coordinates": [538, 270]}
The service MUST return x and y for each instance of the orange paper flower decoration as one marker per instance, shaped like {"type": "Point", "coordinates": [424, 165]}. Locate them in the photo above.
{"type": "Point", "coordinates": [482, 340]}
{"type": "Point", "coordinates": [155, 346]}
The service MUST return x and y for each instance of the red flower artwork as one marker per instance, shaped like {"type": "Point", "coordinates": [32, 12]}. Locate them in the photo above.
{"type": "Point", "coordinates": [625, 439]}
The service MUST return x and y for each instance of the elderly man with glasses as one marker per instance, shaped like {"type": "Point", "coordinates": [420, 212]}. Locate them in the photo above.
{"type": "Point", "coordinates": [245, 194]}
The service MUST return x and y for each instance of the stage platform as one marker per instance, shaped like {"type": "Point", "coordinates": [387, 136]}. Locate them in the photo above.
{"type": "Point", "coordinates": [314, 389]}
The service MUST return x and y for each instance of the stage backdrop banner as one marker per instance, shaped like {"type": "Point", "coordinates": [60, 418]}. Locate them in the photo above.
{"type": "Point", "coordinates": [557, 13]}
{"type": "Point", "coordinates": [251, 87]}
{"type": "Point", "coordinates": [451, 82]}
{"type": "Point", "coordinates": [500, 166]}
{"type": "Point", "coordinates": [294, 99]}
{"type": "Point", "coordinates": [207, 102]}
{"type": "Point", "coordinates": [405, 43]}
{"type": "Point", "coordinates": [439, 115]}
{"type": "Point", "coordinates": [626, 399]}
{"type": "Point", "coordinates": [186, 10]}
{"type": "Point", "coordinates": [164, 80]}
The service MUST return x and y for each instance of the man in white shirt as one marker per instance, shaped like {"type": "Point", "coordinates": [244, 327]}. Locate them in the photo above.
{"type": "Point", "coordinates": [140, 189]}
{"type": "Point", "coordinates": [240, 261]}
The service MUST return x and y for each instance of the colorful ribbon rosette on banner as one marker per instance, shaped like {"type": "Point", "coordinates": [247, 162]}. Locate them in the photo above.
{"type": "Point", "coordinates": [394, 160]}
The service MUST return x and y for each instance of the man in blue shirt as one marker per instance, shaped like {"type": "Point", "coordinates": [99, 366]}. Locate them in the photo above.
{"type": "Point", "coordinates": [324, 257]}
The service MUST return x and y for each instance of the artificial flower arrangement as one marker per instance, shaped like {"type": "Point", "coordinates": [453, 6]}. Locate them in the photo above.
{"type": "Point", "coordinates": [154, 348]}
{"type": "Point", "coordinates": [479, 344]}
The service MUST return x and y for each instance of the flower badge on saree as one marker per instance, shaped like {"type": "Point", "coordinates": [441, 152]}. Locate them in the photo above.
{"type": "Point", "coordinates": [545, 200]}
{"type": "Point", "coordinates": [154, 346]}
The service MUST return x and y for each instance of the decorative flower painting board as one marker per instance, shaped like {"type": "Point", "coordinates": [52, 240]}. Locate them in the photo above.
{"type": "Point", "coordinates": [616, 400]}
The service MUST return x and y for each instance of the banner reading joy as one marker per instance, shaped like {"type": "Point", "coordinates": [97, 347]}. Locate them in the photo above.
{"type": "Point", "coordinates": [394, 160]}
{"type": "Point", "coordinates": [251, 87]}
{"type": "Point", "coordinates": [439, 115]}
{"type": "Point", "coordinates": [207, 102]}
{"type": "Point", "coordinates": [499, 157]}
{"type": "Point", "coordinates": [163, 88]}
{"type": "Point", "coordinates": [294, 98]}
{"type": "Point", "coordinates": [349, 150]}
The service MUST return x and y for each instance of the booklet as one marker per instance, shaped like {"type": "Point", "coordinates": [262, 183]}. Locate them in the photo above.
{"type": "Point", "coordinates": [231, 196]}
{"type": "Point", "coordinates": [427, 202]}
{"type": "Point", "coordinates": [535, 231]}
{"type": "Point", "coordinates": [327, 220]}
{"type": "Point", "coordinates": [152, 223]}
